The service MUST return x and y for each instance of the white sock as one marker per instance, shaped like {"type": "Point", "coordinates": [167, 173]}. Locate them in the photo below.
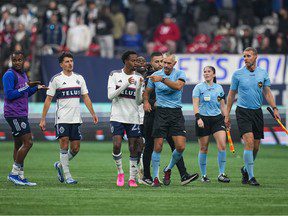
{"type": "Point", "coordinates": [118, 162]}
{"type": "Point", "coordinates": [64, 160]}
{"type": "Point", "coordinates": [16, 169]}
{"type": "Point", "coordinates": [133, 168]}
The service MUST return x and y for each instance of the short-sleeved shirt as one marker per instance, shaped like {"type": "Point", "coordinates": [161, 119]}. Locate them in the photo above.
{"type": "Point", "coordinates": [167, 97]}
{"type": "Point", "coordinates": [250, 86]}
{"type": "Point", "coordinates": [209, 98]}
{"type": "Point", "coordinates": [68, 90]}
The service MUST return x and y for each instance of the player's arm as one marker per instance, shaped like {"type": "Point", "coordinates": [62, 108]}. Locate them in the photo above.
{"type": "Point", "coordinates": [34, 89]}
{"type": "Point", "coordinates": [139, 92]}
{"type": "Point", "coordinates": [146, 104]}
{"type": "Point", "coordinates": [112, 91]}
{"type": "Point", "coordinates": [9, 87]}
{"type": "Point", "coordinates": [270, 99]}
{"type": "Point", "coordinates": [196, 112]}
{"type": "Point", "coordinates": [89, 106]}
{"type": "Point", "coordinates": [230, 100]}
{"type": "Point", "coordinates": [177, 85]}
{"type": "Point", "coordinates": [46, 107]}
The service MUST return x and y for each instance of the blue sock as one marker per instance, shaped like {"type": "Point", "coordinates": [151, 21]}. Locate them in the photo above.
{"type": "Point", "coordinates": [254, 158]}
{"type": "Point", "coordinates": [156, 163]}
{"type": "Point", "coordinates": [202, 158]}
{"type": "Point", "coordinates": [176, 156]}
{"type": "Point", "coordinates": [249, 163]}
{"type": "Point", "coordinates": [221, 161]}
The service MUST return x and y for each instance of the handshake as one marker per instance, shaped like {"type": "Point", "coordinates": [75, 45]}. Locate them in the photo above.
{"type": "Point", "coordinates": [38, 84]}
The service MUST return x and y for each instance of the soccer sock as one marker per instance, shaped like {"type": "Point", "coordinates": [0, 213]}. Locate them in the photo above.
{"type": "Point", "coordinates": [254, 158]}
{"type": "Point", "coordinates": [249, 163]}
{"type": "Point", "coordinates": [156, 163]}
{"type": "Point", "coordinates": [118, 162]}
{"type": "Point", "coordinates": [64, 160]}
{"type": "Point", "coordinates": [71, 154]}
{"type": "Point", "coordinates": [221, 161]}
{"type": "Point", "coordinates": [202, 158]}
{"type": "Point", "coordinates": [176, 156]}
{"type": "Point", "coordinates": [133, 168]}
{"type": "Point", "coordinates": [16, 169]}
{"type": "Point", "coordinates": [21, 172]}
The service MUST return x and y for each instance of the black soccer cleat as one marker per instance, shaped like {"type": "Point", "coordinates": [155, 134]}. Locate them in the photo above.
{"type": "Point", "coordinates": [223, 178]}
{"type": "Point", "coordinates": [166, 177]}
{"type": "Point", "coordinates": [205, 179]}
{"type": "Point", "coordinates": [245, 176]}
{"type": "Point", "coordinates": [253, 182]}
{"type": "Point", "coordinates": [187, 178]}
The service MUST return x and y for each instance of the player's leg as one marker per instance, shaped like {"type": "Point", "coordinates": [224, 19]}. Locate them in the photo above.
{"type": "Point", "coordinates": [202, 157]}
{"type": "Point", "coordinates": [117, 129]}
{"type": "Point", "coordinates": [149, 146]}
{"type": "Point", "coordinates": [156, 155]}
{"type": "Point", "coordinates": [17, 146]}
{"type": "Point", "coordinates": [218, 130]}
{"type": "Point", "coordinates": [75, 137]}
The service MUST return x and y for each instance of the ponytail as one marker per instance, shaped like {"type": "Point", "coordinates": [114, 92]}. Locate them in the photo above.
{"type": "Point", "coordinates": [215, 80]}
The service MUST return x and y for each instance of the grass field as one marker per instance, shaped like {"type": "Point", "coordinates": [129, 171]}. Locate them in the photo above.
{"type": "Point", "coordinates": [96, 192]}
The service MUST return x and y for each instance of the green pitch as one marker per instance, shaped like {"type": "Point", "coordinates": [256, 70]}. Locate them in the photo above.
{"type": "Point", "coordinates": [96, 192]}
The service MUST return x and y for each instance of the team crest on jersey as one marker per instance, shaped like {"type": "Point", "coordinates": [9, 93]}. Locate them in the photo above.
{"type": "Point", "coordinates": [260, 84]}
{"type": "Point", "coordinates": [78, 82]}
{"type": "Point", "coordinates": [23, 125]}
{"type": "Point", "coordinates": [61, 130]}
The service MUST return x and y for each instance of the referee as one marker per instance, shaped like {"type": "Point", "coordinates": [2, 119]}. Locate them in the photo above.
{"type": "Point", "coordinates": [250, 82]}
{"type": "Point", "coordinates": [209, 108]}
{"type": "Point", "coordinates": [168, 84]}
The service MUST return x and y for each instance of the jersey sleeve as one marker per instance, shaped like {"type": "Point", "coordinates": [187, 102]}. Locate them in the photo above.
{"type": "Point", "coordinates": [221, 92]}
{"type": "Point", "coordinates": [196, 92]}
{"type": "Point", "coordinates": [52, 87]}
{"type": "Point", "coordinates": [267, 79]}
{"type": "Point", "coordinates": [84, 89]}
{"type": "Point", "coordinates": [182, 76]}
{"type": "Point", "coordinates": [234, 82]}
{"type": "Point", "coordinates": [150, 84]}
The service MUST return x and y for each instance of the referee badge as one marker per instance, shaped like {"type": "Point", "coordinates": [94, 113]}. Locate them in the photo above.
{"type": "Point", "coordinates": [260, 84]}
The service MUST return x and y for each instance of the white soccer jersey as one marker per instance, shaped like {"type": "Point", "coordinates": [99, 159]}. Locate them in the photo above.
{"type": "Point", "coordinates": [141, 113]}
{"type": "Point", "coordinates": [68, 90]}
{"type": "Point", "coordinates": [124, 108]}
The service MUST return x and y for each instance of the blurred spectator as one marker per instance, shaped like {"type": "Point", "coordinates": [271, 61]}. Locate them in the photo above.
{"type": "Point", "coordinates": [245, 39]}
{"type": "Point", "coordinates": [265, 46]}
{"type": "Point", "coordinates": [104, 32]}
{"type": "Point", "coordinates": [90, 17]}
{"type": "Point", "coordinates": [7, 36]}
{"type": "Point", "coordinates": [81, 6]}
{"type": "Point", "coordinates": [119, 23]}
{"type": "Point", "coordinates": [5, 19]}
{"type": "Point", "coordinates": [132, 40]}
{"type": "Point", "coordinates": [22, 37]}
{"type": "Point", "coordinates": [280, 46]}
{"type": "Point", "coordinates": [283, 22]}
{"type": "Point", "coordinates": [52, 9]}
{"type": "Point", "coordinates": [53, 36]}
{"type": "Point", "coordinates": [156, 14]}
{"type": "Point", "coordinates": [140, 12]}
{"type": "Point", "coordinates": [27, 19]}
{"type": "Point", "coordinates": [166, 36]}
{"type": "Point", "coordinates": [245, 13]}
{"type": "Point", "coordinates": [79, 37]}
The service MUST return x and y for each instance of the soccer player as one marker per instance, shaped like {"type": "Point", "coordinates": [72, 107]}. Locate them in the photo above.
{"type": "Point", "coordinates": [156, 64]}
{"type": "Point", "coordinates": [208, 104]}
{"type": "Point", "coordinates": [168, 84]}
{"type": "Point", "coordinates": [68, 87]}
{"type": "Point", "coordinates": [17, 89]}
{"type": "Point", "coordinates": [250, 82]}
{"type": "Point", "coordinates": [125, 90]}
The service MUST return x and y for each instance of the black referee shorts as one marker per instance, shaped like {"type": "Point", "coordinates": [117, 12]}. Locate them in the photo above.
{"type": "Point", "coordinates": [250, 120]}
{"type": "Point", "coordinates": [212, 124]}
{"type": "Point", "coordinates": [168, 121]}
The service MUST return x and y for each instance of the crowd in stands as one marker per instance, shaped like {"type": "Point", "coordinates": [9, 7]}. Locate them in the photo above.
{"type": "Point", "coordinates": [107, 27]}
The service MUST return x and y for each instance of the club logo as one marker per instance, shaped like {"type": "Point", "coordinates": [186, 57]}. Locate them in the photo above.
{"type": "Point", "coordinates": [23, 125]}
{"type": "Point", "coordinates": [61, 130]}
{"type": "Point", "coordinates": [78, 82]}
{"type": "Point", "coordinates": [260, 84]}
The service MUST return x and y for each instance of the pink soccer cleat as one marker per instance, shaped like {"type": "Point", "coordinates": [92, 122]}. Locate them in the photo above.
{"type": "Point", "coordinates": [120, 180]}
{"type": "Point", "coordinates": [132, 183]}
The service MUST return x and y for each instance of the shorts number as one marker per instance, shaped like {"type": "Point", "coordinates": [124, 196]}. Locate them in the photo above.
{"type": "Point", "coordinates": [135, 127]}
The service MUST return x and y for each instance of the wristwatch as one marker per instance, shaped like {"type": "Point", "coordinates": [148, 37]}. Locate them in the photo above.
{"type": "Point", "coordinates": [163, 79]}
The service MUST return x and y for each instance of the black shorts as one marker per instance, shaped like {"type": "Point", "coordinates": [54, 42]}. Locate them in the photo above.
{"type": "Point", "coordinates": [68, 130]}
{"type": "Point", "coordinates": [168, 121]}
{"type": "Point", "coordinates": [250, 120]}
{"type": "Point", "coordinates": [212, 124]}
{"type": "Point", "coordinates": [132, 130]}
{"type": "Point", "coordinates": [19, 125]}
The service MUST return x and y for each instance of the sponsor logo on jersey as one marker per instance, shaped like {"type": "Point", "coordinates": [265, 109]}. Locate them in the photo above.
{"type": "Point", "coordinates": [64, 93]}
{"type": "Point", "coordinates": [128, 93]}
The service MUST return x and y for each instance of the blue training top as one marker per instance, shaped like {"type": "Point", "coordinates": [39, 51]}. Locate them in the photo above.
{"type": "Point", "coordinates": [209, 98]}
{"type": "Point", "coordinates": [167, 97]}
{"type": "Point", "coordinates": [250, 86]}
